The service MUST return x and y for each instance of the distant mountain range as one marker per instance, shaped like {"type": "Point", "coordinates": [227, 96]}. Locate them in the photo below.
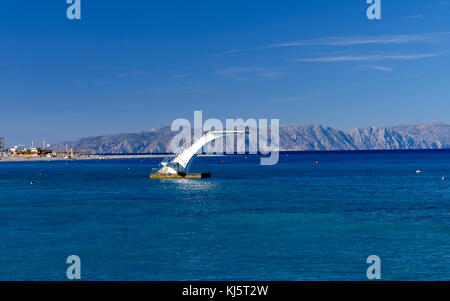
{"type": "Point", "coordinates": [429, 135]}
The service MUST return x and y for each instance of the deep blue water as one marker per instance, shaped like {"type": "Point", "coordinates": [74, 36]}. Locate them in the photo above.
{"type": "Point", "coordinates": [293, 221]}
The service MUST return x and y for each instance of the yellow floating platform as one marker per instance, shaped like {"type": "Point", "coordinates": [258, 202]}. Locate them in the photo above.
{"type": "Point", "coordinates": [181, 176]}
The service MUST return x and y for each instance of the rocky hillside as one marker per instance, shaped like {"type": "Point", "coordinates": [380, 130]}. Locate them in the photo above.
{"type": "Point", "coordinates": [431, 135]}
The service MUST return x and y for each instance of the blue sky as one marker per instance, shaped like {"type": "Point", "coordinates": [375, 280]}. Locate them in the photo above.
{"type": "Point", "coordinates": [128, 66]}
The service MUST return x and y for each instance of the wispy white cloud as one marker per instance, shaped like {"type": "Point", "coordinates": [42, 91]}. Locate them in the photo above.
{"type": "Point", "coordinates": [334, 41]}
{"type": "Point", "coordinates": [227, 52]}
{"type": "Point", "coordinates": [297, 98]}
{"type": "Point", "coordinates": [244, 73]}
{"type": "Point", "coordinates": [352, 41]}
{"type": "Point", "coordinates": [177, 76]}
{"type": "Point", "coordinates": [381, 68]}
{"type": "Point", "coordinates": [414, 16]}
{"type": "Point", "coordinates": [347, 58]}
{"type": "Point", "coordinates": [179, 89]}
{"type": "Point", "coordinates": [286, 99]}
{"type": "Point", "coordinates": [131, 73]}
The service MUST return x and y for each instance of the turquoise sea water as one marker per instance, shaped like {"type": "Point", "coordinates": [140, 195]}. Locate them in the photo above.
{"type": "Point", "coordinates": [296, 220]}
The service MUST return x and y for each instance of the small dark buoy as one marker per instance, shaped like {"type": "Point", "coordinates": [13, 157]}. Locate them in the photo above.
{"type": "Point", "coordinates": [222, 161]}
{"type": "Point", "coordinates": [41, 174]}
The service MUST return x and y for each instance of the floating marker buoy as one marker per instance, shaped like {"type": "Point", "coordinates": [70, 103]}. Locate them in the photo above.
{"type": "Point", "coordinates": [418, 171]}
{"type": "Point", "coordinates": [443, 178]}
{"type": "Point", "coordinates": [317, 162]}
{"type": "Point", "coordinates": [31, 182]}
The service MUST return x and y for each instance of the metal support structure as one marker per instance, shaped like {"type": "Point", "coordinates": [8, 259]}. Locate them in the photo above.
{"type": "Point", "coordinates": [183, 160]}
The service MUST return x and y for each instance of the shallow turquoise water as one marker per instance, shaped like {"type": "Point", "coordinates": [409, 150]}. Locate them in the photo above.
{"type": "Point", "coordinates": [293, 221]}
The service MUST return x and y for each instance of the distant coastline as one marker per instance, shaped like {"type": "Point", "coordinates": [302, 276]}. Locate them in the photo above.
{"type": "Point", "coordinates": [92, 157]}
{"type": "Point", "coordinates": [163, 155]}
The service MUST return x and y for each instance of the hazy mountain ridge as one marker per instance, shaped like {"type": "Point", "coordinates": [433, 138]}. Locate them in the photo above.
{"type": "Point", "coordinates": [429, 135]}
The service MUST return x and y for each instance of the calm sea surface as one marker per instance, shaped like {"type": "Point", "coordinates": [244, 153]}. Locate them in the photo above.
{"type": "Point", "coordinates": [293, 221]}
